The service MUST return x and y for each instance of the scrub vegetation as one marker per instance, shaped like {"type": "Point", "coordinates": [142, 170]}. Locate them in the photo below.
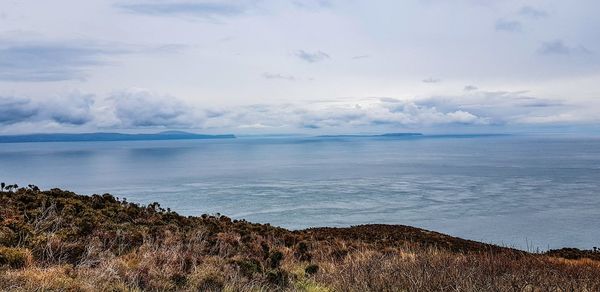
{"type": "Point", "coordinates": [58, 240]}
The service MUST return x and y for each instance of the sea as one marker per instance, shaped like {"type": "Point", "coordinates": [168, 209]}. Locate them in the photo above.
{"type": "Point", "coordinates": [533, 192]}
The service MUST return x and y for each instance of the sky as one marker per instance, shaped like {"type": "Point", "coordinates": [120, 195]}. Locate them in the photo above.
{"type": "Point", "coordinates": [292, 66]}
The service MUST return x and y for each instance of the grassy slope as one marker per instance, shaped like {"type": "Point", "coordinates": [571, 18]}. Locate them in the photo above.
{"type": "Point", "coordinates": [60, 240]}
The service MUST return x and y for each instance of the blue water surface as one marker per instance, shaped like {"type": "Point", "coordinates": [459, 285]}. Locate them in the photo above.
{"type": "Point", "coordinates": [523, 191]}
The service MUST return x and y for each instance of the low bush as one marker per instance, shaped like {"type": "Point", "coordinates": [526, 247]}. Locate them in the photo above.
{"type": "Point", "coordinates": [15, 258]}
{"type": "Point", "coordinates": [311, 269]}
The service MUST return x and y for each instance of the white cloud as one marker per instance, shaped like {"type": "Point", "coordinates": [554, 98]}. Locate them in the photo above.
{"type": "Point", "coordinates": [141, 109]}
{"type": "Point", "coordinates": [138, 109]}
{"type": "Point", "coordinates": [339, 115]}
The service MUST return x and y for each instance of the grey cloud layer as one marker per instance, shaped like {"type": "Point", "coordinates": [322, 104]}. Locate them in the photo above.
{"type": "Point", "coordinates": [49, 61]}
{"type": "Point", "coordinates": [139, 109]}
{"type": "Point", "coordinates": [498, 107]}
{"type": "Point", "coordinates": [533, 12]}
{"type": "Point", "coordinates": [71, 110]}
{"type": "Point", "coordinates": [15, 110]}
{"type": "Point", "coordinates": [136, 109]}
{"type": "Point", "coordinates": [46, 60]}
{"type": "Point", "coordinates": [267, 75]}
{"type": "Point", "coordinates": [432, 80]}
{"type": "Point", "coordinates": [312, 57]}
{"type": "Point", "coordinates": [127, 109]}
{"type": "Point", "coordinates": [508, 25]}
{"type": "Point", "coordinates": [190, 8]}
{"type": "Point", "coordinates": [312, 4]}
{"type": "Point", "coordinates": [558, 47]}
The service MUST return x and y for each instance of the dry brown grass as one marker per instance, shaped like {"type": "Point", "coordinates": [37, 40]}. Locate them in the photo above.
{"type": "Point", "coordinates": [416, 269]}
{"type": "Point", "coordinates": [436, 270]}
{"type": "Point", "coordinates": [48, 244]}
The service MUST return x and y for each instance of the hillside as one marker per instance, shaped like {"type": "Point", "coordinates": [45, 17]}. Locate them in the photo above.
{"type": "Point", "coordinates": [58, 240]}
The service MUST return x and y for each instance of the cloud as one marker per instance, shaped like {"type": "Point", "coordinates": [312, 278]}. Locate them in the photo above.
{"type": "Point", "coordinates": [44, 60]}
{"type": "Point", "coordinates": [552, 119]}
{"type": "Point", "coordinates": [558, 47]}
{"type": "Point", "coordinates": [470, 88]}
{"type": "Point", "coordinates": [164, 49]}
{"type": "Point", "coordinates": [267, 75]}
{"type": "Point", "coordinates": [432, 80]}
{"type": "Point", "coordinates": [70, 110]}
{"type": "Point", "coordinates": [554, 47]}
{"type": "Point", "coordinates": [360, 57]}
{"type": "Point", "coordinates": [498, 107]}
{"type": "Point", "coordinates": [50, 61]}
{"type": "Point", "coordinates": [312, 4]}
{"type": "Point", "coordinates": [138, 108]}
{"type": "Point", "coordinates": [142, 109]}
{"type": "Point", "coordinates": [508, 25]}
{"type": "Point", "coordinates": [15, 110]}
{"type": "Point", "coordinates": [313, 57]}
{"type": "Point", "coordinates": [368, 112]}
{"type": "Point", "coordinates": [196, 9]}
{"type": "Point", "coordinates": [127, 109]}
{"type": "Point", "coordinates": [532, 12]}
{"type": "Point", "coordinates": [47, 62]}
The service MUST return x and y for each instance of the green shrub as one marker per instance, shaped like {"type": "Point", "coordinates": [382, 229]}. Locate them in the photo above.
{"type": "Point", "coordinates": [179, 279]}
{"type": "Point", "coordinates": [278, 277]}
{"type": "Point", "coordinates": [311, 269]}
{"type": "Point", "coordinates": [275, 259]}
{"type": "Point", "coordinates": [302, 252]}
{"type": "Point", "coordinates": [249, 267]}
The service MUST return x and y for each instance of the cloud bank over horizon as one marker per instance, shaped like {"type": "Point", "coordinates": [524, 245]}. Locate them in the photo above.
{"type": "Point", "coordinates": [315, 66]}
{"type": "Point", "coordinates": [142, 110]}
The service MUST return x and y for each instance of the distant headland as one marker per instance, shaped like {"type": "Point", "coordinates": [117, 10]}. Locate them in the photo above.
{"type": "Point", "coordinates": [81, 137]}
{"type": "Point", "coordinates": [389, 135]}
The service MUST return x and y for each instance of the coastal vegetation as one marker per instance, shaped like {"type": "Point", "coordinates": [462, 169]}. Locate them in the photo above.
{"type": "Point", "coordinates": [58, 240]}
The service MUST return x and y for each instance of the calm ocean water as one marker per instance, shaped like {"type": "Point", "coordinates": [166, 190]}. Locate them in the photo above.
{"type": "Point", "coordinates": [521, 191]}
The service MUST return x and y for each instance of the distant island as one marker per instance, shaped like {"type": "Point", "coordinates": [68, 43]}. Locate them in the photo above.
{"type": "Point", "coordinates": [81, 137]}
{"type": "Point", "coordinates": [389, 135]}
